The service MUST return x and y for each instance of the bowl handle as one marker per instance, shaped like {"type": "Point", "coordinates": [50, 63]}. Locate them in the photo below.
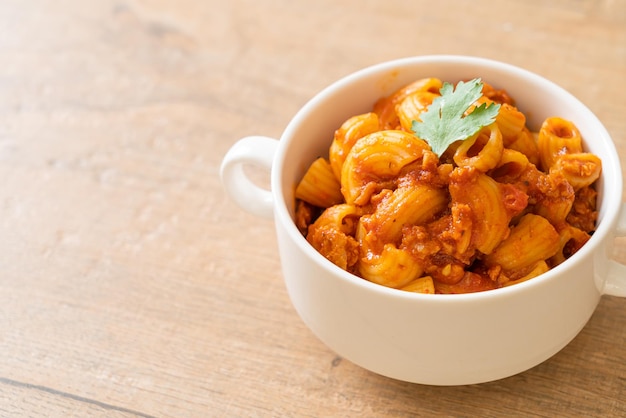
{"type": "Point", "coordinates": [257, 151]}
{"type": "Point", "coordinates": [615, 284]}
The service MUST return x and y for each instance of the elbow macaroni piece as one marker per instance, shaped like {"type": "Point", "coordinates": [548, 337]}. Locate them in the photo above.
{"type": "Point", "coordinates": [539, 268]}
{"type": "Point", "coordinates": [423, 284]}
{"type": "Point", "coordinates": [346, 136]}
{"type": "Point", "coordinates": [495, 210]}
{"type": "Point", "coordinates": [392, 267]}
{"type": "Point", "coordinates": [332, 235]}
{"type": "Point", "coordinates": [482, 151]}
{"type": "Point", "coordinates": [386, 107]}
{"type": "Point", "coordinates": [374, 160]}
{"type": "Point", "coordinates": [525, 143]}
{"type": "Point", "coordinates": [532, 240]}
{"type": "Point", "coordinates": [412, 107]}
{"type": "Point", "coordinates": [511, 122]}
{"type": "Point", "coordinates": [580, 169]}
{"type": "Point", "coordinates": [319, 186]}
{"type": "Point", "coordinates": [407, 205]}
{"type": "Point", "coordinates": [557, 137]}
{"type": "Point", "coordinates": [486, 200]}
{"type": "Point", "coordinates": [571, 239]}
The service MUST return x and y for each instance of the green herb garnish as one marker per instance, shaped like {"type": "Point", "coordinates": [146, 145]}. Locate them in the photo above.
{"type": "Point", "coordinates": [445, 120]}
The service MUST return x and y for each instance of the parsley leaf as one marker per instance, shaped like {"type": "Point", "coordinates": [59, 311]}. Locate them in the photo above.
{"type": "Point", "coordinates": [445, 121]}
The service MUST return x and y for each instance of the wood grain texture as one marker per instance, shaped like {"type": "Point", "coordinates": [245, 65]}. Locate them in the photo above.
{"type": "Point", "coordinates": [131, 286]}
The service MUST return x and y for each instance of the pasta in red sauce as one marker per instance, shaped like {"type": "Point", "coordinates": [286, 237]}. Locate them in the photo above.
{"type": "Point", "coordinates": [499, 208]}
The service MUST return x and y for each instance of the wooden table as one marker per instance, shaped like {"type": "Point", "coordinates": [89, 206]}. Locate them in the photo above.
{"type": "Point", "coordinates": [132, 287]}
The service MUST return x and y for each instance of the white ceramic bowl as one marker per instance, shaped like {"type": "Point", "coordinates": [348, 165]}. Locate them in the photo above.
{"type": "Point", "coordinates": [432, 339]}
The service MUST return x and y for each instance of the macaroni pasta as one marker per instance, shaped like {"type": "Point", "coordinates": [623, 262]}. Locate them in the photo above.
{"type": "Point", "coordinates": [496, 209]}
